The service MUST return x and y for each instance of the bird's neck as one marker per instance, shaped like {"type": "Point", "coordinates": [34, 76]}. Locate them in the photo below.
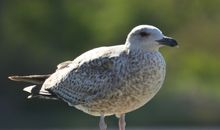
{"type": "Point", "coordinates": [141, 47]}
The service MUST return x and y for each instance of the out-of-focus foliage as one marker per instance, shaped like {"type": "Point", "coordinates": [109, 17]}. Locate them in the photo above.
{"type": "Point", "coordinates": [36, 35]}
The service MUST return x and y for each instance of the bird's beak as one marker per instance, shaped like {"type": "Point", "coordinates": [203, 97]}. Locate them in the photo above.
{"type": "Point", "coordinates": [168, 41]}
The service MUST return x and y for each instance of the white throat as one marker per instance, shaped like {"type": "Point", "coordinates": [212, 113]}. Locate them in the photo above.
{"type": "Point", "coordinates": [141, 46]}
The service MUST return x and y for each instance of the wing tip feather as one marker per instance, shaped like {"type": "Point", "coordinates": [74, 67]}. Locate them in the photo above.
{"type": "Point", "coordinates": [29, 88]}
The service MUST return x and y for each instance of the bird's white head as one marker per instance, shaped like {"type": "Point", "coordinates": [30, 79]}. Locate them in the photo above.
{"type": "Point", "coordinates": [148, 37]}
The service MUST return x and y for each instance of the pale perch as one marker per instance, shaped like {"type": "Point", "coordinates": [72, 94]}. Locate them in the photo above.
{"type": "Point", "coordinates": [108, 80]}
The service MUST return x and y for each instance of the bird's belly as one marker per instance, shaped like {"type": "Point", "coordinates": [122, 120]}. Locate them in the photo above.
{"type": "Point", "coordinates": [121, 102]}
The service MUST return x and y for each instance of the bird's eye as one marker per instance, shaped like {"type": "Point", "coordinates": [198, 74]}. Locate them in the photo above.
{"type": "Point", "coordinates": [144, 34]}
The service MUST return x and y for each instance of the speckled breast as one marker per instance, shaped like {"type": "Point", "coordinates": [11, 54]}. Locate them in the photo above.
{"type": "Point", "coordinates": [139, 86]}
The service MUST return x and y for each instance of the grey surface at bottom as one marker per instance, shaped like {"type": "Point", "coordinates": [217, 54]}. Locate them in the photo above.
{"type": "Point", "coordinates": [147, 128]}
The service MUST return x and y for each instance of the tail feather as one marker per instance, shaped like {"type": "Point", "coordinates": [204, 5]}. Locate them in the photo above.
{"type": "Point", "coordinates": [29, 89]}
{"type": "Point", "coordinates": [35, 90]}
{"type": "Point", "coordinates": [35, 79]}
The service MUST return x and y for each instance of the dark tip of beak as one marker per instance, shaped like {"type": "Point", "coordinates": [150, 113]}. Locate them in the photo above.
{"type": "Point", "coordinates": [168, 41]}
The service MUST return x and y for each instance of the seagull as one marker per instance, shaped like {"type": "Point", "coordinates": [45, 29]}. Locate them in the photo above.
{"type": "Point", "coordinates": [107, 81]}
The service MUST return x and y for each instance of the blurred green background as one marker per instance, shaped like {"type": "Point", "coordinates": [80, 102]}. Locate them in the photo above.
{"type": "Point", "coordinates": [36, 35]}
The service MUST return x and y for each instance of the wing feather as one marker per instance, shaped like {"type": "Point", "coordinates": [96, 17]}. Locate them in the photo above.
{"type": "Point", "coordinates": [92, 75]}
{"type": "Point", "coordinates": [63, 64]}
